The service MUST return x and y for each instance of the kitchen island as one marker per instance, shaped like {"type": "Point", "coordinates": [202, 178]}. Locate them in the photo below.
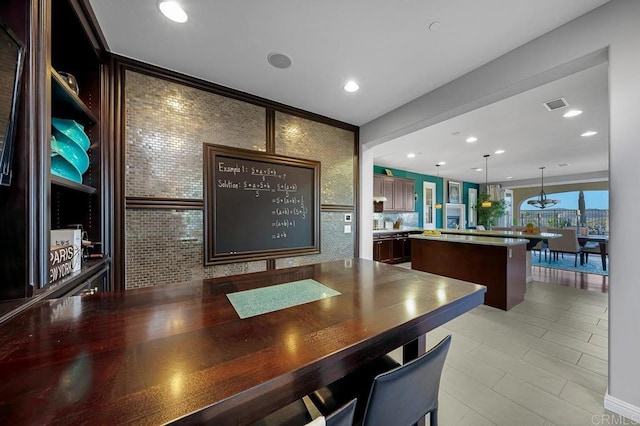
{"type": "Point", "coordinates": [497, 263]}
{"type": "Point", "coordinates": [533, 239]}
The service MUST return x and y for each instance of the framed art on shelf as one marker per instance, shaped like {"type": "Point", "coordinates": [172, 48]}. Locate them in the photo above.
{"type": "Point", "coordinates": [454, 192]}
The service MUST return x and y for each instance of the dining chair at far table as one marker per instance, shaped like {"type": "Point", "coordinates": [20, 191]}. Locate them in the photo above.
{"type": "Point", "coordinates": [568, 243]}
{"type": "Point", "coordinates": [401, 396]}
{"type": "Point", "coordinates": [595, 245]}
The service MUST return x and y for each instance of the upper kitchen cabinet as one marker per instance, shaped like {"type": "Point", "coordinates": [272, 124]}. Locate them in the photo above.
{"type": "Point", "coordinates": [399, 193]}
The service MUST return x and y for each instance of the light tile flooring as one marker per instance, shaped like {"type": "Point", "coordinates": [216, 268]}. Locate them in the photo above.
{"type": "Point", "coordinates": [544, 362]}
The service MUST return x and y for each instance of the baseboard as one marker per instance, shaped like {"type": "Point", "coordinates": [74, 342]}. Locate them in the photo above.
{"type": "Point", "coordinates": [621, 407]}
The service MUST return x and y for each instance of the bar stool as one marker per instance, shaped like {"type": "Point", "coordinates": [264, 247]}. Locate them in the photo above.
{"type": "Point", "coordinates": [297, 414]}
{"type": "Point", "coordinates": [400, 396]}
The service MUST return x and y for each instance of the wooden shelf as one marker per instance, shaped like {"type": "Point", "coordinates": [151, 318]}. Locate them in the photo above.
{"type": "Point", "coordinates": [67, 103]}
{"type": "Point", "coordinates": [59, 181]}
{"type": "Point", "coordinates": [60, 288]}
{"type": "Point", "coordinates": [68, 283]}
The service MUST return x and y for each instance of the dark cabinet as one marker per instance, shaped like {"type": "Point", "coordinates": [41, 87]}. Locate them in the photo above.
{"type": "Point", "coordinates": [382, 250]}
{"type": "Point", "coordinates": [399, 193]}
{"type": "Point", "coordinates": [392, 248]}
{"type": "Point", "coordinates": [398, 249]}
{"type": "Point", "coordinates": [407, 250]}
{"type": "Point", "coordinates": [378, 185]}
{"type": "Point", "coordinates": [403, 195]}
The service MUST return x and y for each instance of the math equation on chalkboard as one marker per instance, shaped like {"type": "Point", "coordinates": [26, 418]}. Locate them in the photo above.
{"type": "Point", "coordinates": [259, 206]}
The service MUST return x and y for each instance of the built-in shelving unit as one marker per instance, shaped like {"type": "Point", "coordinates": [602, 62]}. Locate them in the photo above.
{"type": "Point", "coordinates": [62, 36]}
{"type": "Point", "coordinates": [73, 51]}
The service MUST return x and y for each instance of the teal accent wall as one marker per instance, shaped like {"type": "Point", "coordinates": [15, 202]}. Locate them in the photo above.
{"type": "Point", "coordinates": [418, 180]}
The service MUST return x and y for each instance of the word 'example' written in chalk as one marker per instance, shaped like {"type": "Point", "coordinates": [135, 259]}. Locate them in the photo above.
{"type": "Point", "coordinates": [253, 171]}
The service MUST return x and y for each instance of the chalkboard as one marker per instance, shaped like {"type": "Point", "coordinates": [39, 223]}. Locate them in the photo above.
{"type": "Point", "coordinates": [259, 206]}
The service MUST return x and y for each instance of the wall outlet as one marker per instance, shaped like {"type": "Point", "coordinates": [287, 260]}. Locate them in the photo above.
{"type": "Point", "coordinates": [347, 229]}
{"type": "Point", "coordinates": [347, 217]}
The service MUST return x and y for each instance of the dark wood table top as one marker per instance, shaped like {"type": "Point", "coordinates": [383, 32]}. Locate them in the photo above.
{"type": "Point", "coordinates": [596, 238]}
{"type": "Point", "coordinates": [180, 352]}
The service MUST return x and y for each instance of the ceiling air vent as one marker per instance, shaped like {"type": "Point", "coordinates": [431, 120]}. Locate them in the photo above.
{"type": "Point", "coordinates": [555, 104]}
{"type": "Point", "coordinates": [564, 165]}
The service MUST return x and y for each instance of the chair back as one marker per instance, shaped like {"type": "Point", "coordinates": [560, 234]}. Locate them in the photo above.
{"type": "Point", "coordinates": [343, 416]}
{"type": "Point", "coordinates": [407, 393]}
{"type": "Point", "coordinates": [568, 243]}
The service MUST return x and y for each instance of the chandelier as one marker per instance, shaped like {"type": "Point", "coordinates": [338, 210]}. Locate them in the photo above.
{"type": "Point", "coordinates": [543, 202]}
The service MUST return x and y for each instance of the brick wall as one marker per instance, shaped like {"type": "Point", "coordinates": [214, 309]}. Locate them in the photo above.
{"type": "Point", "coordinates": [165, 128]}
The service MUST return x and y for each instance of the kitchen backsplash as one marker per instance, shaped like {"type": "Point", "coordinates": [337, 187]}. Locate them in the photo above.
{"type": "Point", "coordinates": [408, 219]}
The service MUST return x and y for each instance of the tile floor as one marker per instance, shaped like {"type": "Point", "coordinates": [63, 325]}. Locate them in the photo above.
{"type": "Point", "coordinates": [544, 362]}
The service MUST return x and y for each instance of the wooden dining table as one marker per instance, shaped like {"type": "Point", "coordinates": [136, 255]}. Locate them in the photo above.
{"type": "Point", "coordinates": [194, 352]}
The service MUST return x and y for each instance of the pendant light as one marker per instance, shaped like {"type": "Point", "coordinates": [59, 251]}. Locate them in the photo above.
{"type": "Point", "coordinates": [542, 202]}
{"type": "Point", "coordinates": [486, 203]}
{"type": "Point", "coordinates": [438, 205]}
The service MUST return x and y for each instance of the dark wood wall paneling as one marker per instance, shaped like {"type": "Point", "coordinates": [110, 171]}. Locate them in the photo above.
{"type": "Point", "coordinates": [14, 210]}
{"type": "Point", "coordinates": [121, 202]}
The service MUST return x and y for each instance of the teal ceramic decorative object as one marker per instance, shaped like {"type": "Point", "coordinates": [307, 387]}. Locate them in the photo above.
{"type": "Point", "coordinates": [71, 130]}
{"type": "Point", "coordinates": [70, 151]}
{"type": "Point", "coordinates": [63, 168]}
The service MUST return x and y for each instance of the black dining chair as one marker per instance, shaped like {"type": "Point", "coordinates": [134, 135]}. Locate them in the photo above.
{"type": "Point", "coordinates": [297, 414]}
{"type": "Point", "coordinates": [400, 396]}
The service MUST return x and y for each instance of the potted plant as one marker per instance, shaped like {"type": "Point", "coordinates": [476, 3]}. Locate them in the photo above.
{"type": "Point", "coordinates": [488, 216]}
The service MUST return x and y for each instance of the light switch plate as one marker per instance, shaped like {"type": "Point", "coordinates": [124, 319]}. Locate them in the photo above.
{"type": "Point", "coordinates": [347, 229]}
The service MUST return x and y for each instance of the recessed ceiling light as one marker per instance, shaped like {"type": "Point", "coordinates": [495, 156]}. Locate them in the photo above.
{"type": "Point", "coordinates": [509, 177]}
{"type": "Point", "coordinates": [589, 133]}
{"type": "Point", "coordinates": [351, 86]}
{"type": "Point", "coordinates": [572, 113]}
{"type": "Point", "coordinates": [476, 169]}
{"type": "Point", "coordinates": [471, 139]}
{"type": "Point", "coordinates": [410, 155]}
{"type": "Point", "coordinates": [279, 60]}
{"type": "Point", "coordinates": [173, 11]}
{"type": "Point", "coordinates": [500, 151]}
{"type": "Point", "coordinates": [442, 163]}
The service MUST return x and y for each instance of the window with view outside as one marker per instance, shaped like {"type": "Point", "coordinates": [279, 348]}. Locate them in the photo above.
{"type": "Point", "coordinates": [595, 217]}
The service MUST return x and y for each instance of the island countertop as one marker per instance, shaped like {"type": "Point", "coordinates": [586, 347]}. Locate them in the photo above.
{"type": "Point", "coordinates": [402, 229]}
{"type": "Point", "coordinates": [500, 233]}
{"type": "Point", "coordinates": [473, 239]}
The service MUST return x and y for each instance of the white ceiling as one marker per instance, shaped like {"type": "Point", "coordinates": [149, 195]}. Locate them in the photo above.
{"type": "Point", "coordinates": [388, 48]}
{"type": "Point", "coordinates": [531, 136]}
